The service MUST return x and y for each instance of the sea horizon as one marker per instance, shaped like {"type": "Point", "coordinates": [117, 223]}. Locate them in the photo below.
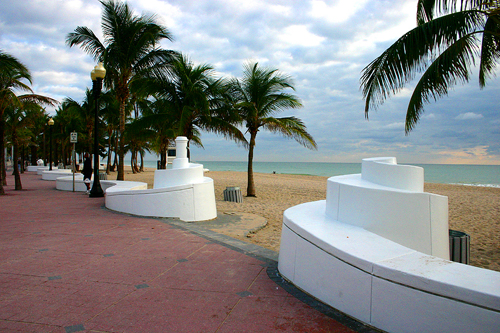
{"type": "Point", "coordinates": [458, 174]}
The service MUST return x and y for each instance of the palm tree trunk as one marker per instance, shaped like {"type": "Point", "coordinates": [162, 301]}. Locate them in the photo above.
{"type": "Point", "coordinates": [251, 184]}
{"type": "Point", "coordinates": [142, 162]}
{"type": "Point", "coordinates": [17, 176]}
{"type": "Point", "coordinates": [3, 172]}
{"type": "Point", "coordinates": [121, 148]}
{"type": "Point", "coordinates": [108, 163]}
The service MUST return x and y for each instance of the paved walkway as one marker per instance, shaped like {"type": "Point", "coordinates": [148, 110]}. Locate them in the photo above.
{"type": "Point", "coordinates": [67, 264]}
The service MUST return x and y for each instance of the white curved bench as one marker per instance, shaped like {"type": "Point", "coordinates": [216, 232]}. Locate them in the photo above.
{"type": "Point", "coordinates": [188, 202]}
{"type": "Point", "coordinates": [40, 170]}
{"type": "Point", "coordinates": [382, 283]}
{"type": "Point", "coordinates": [181, 192]}
{"type": "Point", "coordinates": [377, 249]}
{"type": "Point", "coordinates": [55, 173]}
{"type": "Point", "coordinates": [66, 184]}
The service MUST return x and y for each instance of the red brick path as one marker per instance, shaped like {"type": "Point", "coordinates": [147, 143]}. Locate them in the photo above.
{"type": "Point", "coordinates": [69, 265]}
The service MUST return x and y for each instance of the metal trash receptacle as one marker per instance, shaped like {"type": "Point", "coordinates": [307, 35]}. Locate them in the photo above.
{"type": "Point", "coordinates": [459, 246]}
{"type": "Point", "coordinates": [233, 194]}
{"type": "Point", "coordinates": [103, 176]}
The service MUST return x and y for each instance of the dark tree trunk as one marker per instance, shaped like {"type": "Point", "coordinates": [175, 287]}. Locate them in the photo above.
{"type": "Point", "coordinates": [33, 149]}
{"type": "Point", "coordinates": [142, 162]}
{"type": "Point", "coordinates": [251, 184]}
{"type": "Point", "coordinates": [17, 176]}
{"type": "Point", "coordinates": [3, 172]}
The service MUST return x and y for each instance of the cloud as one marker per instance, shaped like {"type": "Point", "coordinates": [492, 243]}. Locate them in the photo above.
{"type": "Point", "coordinates": [469, 116]}
{"type": "Point", "coordinates": [323, 45]}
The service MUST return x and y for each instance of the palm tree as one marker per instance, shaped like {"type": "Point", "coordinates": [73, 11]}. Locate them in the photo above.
{"type": "Point", "coordinates": [110, 116]}
{"type": "Point", "coordinates": [259, 95]}
{"type": "Point", "coordinates": [444, 46]}
{"type": "Point", "coordinates": [12, 75]}
{"type": "Point", "coordinates": [19, 123]}
{"type": "Point", "coordinates": [195, 99]}
{"type": "Point", "coordinates": [85, 113]}
{"type": "Point", "coordinates": [130, 48]}
{"type": "Point", "coordinates": [157, 124]}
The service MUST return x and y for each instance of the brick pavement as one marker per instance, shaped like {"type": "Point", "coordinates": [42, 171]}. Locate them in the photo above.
{"type": "Point", "coordinates": [67, 264]}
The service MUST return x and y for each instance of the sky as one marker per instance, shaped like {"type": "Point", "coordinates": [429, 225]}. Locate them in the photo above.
{"type": "Point", "coordinates": [323, 45]}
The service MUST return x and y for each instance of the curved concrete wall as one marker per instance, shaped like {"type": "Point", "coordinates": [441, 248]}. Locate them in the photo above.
{"type": "Point", "coordinates": [188, 202]}
{"type": "Point", "coordinates": [55, 173]}
{"type": "Point", "coordinates": [403, 214]}
{"type": "Point", "coordinates": [382, 283]}
{"type": "Point", "coordinates": [376, 249]}
{"type": "Point", "coordinates": [181, 192]}
{"type": "Point", "coordinates": [192, 173]}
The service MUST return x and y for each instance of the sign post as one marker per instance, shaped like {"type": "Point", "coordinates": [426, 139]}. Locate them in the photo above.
{"type": "Point", "coordinates": [73, 139]}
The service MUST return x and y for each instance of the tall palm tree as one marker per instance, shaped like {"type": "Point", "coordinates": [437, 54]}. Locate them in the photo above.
{"type": "Point", "coordinates": [85, 113]}
{"type": "Point", "coordinates": [19, 124]}
{"type": "Point", "coordinates": [195, 99]}
{"type": "Point", "coordinates": [444, 46]}
{"type": "Point", "coordinates": [130, 48]}
{"type": "Point", "coordinates": [12, 76]}
{"type": "Point", "coordinates": [260, 95]}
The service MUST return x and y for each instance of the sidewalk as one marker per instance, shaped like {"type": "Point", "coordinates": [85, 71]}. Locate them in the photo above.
{"type": "Point", "coordinates": [67, 264]}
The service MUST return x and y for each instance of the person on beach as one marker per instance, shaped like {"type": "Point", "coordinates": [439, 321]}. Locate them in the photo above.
{"type": "Point", "coordinates": [87, 171]}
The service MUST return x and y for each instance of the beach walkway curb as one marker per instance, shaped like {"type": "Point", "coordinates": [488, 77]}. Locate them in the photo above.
{"type": "Point", "coordinates": [69, 265]}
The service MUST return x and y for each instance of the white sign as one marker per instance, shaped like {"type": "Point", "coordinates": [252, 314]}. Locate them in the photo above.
{"type": "Point", "coordinates": [73, 137]}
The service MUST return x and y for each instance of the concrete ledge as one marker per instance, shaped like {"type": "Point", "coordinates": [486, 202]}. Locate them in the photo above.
{"type": "Point", "coordinates": [54, 174]}
{"type": "Point", "coordinates": [40, 170]}
{"type": "Point", "coordinates": [34, 168]}
{"type": "Point", "coordinates": [382, 283]}
{"type": "Point", "coordinates": [189, 202]}
{"type": "Point", "coordinates": [66, 184]}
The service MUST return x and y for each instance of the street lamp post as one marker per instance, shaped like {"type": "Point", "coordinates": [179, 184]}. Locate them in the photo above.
{"type": "Point", "coordinates": [51, 123]}
{"type": "Point", "coordinates": [97, 76]}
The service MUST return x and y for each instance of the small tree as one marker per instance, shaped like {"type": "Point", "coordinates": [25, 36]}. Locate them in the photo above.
{"type": "Point", "coordinates": [259, 95]}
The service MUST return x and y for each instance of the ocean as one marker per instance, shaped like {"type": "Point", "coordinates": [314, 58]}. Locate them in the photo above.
{"type": "Point", "coordinates": [476, 175]}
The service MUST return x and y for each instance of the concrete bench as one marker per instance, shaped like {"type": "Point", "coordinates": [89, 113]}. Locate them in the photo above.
{"type": "Point", "coordinates": [66, 184]}
{"type": "Point", "coordinates": [377, 249]}
{"type": "Point", "coordinates": [382, 283]}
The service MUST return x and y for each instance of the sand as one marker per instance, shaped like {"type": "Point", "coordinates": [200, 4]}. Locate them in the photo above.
{"type": "Point", "coordinates": [472, 209]}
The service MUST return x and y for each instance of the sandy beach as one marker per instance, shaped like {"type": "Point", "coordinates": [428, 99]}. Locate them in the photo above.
{"type": "Point", "coordinates": [473, 210]}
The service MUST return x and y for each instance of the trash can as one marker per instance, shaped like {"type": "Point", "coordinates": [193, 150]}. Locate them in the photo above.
{"type": "Point", "coordinates": [103, 176]}
{"type": "Point", "coordinates": [459, 247]}
{"type": "Point", "coordinates": [233, 194]}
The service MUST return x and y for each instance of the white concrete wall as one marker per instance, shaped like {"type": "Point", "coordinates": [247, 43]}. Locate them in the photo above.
{"type": "Point", "coordinates": [181, 192]}
{"type": "Point", "coordinates": [55, 173]}
{"type": "Point", "coordinates": [192, 173]}
{"type": "Point", "coordinates": [402, 213]}
{"type": "Point", "coordinates": [383, 283]}
{"type": "Point", "coordinates": [188, 202]}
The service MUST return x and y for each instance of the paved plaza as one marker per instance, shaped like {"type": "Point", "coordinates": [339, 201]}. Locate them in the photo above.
{"type": "Point", "coordinates": [67, 264]}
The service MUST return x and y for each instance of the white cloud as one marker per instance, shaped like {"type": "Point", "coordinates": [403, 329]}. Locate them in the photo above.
{"type": "Point", "coordinates": [323, 45]}
{"type": "Point", "coordinates": [299, 35]}
{"type": "Point", "coordinates": [336, 11]}
{"type": "Point", "coordinates": [469, 116]}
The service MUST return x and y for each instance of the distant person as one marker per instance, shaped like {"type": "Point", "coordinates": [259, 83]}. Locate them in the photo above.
{"type": "Point", "coordinates": [87, 171]}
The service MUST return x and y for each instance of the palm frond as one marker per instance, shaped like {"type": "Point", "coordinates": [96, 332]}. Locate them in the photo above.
{"type": "Point", "coordinates": [88, 40]}
{"type": "Point", "coordinates": [451, 66]}
{"type": "Point", "coordinates": [292, 128]}
{"type": "Point", "coordinates": [427, 10]}
{"type": "Point", "coordinates": [410, 54]}
{"type": "Point", "coordinates": [490, 48]}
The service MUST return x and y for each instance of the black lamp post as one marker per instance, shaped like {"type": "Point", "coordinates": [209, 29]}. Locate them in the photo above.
{"type": "Point", "coordinates": [50, 123]}
{"type": "Point", "coordinates": [97, 76]}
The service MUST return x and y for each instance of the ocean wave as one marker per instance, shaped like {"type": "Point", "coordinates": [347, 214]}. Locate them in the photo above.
{"type": "Point", "coordinates": [478, 185]}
